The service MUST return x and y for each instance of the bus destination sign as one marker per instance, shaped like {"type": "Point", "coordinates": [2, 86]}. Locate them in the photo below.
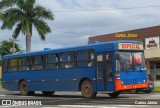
{"type": "Point", "coordinates": [130, 46]}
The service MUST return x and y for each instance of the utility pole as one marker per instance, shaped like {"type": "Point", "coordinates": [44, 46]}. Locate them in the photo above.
{"type": "Point", "coordinates": [13, 49]}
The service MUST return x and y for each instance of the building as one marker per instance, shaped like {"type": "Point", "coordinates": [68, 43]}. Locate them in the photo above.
{"type": "Point", "coordinates": [150, 37]}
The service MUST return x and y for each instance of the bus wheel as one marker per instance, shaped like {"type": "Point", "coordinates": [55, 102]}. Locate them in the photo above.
{"type": "Point", "coordinates": [48, 93]}
{"type": "Point", "coordinates": [148, 91]}
{"type": "Point", "coordinates": [114, 95]}
{"type": "Point", "coordinates": [24, 90]}
{"type": "Point", "coordinates": [87, 89]}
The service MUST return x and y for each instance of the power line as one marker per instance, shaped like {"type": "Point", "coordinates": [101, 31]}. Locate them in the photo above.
{"type": "Point", "coordinates": [72, 32]}
{"type": "Point", "coordinates": [109, 9]}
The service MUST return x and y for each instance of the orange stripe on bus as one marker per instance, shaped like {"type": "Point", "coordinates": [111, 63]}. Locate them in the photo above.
{"type": "Point", "coordinates": [117, 75]}
{"type": "Point", "coordinates": [130, 86]}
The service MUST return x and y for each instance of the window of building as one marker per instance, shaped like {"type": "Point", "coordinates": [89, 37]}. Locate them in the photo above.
{"type": "Point", "coordinates": [151, 67]}
{"type": "Point", "coordinates": [5, 65]}
{"type": "Point", "coordinates": [157, 65]}
{"type": "Point", "coordinates": [37, 62]}
{"type": "Point", "coordinates": [23, 63]}
{"type": "Point", "coordinates": [157, 77]}
{"type": "Point", "coordinates": [51, 61]}
{"type": "Point", "coordinates": [13, 64]}
{"type": "Point", "coordinates": [67, 60]}
{"type": "Point", "coordinates": [85, 58]}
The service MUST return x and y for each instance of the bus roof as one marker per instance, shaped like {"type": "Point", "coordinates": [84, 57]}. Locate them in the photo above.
{"type": "Point", "coordinates": [91, 45]}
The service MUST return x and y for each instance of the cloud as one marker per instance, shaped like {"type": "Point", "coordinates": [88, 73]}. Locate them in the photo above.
{"type": "Point", "coordinates": [74, 28]}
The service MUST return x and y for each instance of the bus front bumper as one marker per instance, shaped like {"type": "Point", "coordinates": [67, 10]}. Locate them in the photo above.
{"type": "Point", "coordinates": [120, 87]}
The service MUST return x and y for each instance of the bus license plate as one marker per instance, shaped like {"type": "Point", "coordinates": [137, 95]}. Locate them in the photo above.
{"type": "Point", "coordinates": [134, 86]}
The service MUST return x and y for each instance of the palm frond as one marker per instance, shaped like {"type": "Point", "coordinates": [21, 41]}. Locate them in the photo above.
{"type": "Point", "coordinates": [30, 3]}
{"type": "Point", "coordinates": [17, 30]}
{"type": "Point", "coordinates": [26, 5]}
{"type": "Point", "coordinates": [25, 25]}
{"type": "Point", "coordinates": [1, 15]}
{"type": "Point", "coordinates": [8, 3]}
{"type": "Point", "coordinates": [42, 28]}
{"type": "Point", "coordinates": [41, 12]}
{"type": "Point", "coordinates": [24, 14]}
{"type": "Point", "coordinates": [5, 47]}
{"type": "Point", "coordinates": [6, 25]}
{"type": "Point", "coordinates": [11, 17]}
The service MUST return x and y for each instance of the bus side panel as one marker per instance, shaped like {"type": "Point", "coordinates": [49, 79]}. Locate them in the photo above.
{"type": "Point", "coordinates": [9, 81]}
{"type": "Point", "coordinates": [51, 80]}
{"type": "Point", "coordinates": [43, 86]}
{"type": "Point", "coordinates": [11, 86]}
{"type": "Point", "coordinates": [42, 80]}
{"type": "Point", "coordinates": [110, 86]}
{"type": "Point", "coordinates": [66, 80]}
{"type": "Point", "coordinates": [89, 73]}
{"type": "Point", "coordinates": [70, 78]}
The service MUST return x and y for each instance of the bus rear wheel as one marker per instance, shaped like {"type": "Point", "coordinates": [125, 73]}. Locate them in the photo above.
{"type": "Point", "coordinates": [24, 89]}
{"type": "Point", "coordinates": [48, 93]}
{"type": "Point", "coordinates": [114, 95]}
{"type": "Point", "coordinates": [87, 89]}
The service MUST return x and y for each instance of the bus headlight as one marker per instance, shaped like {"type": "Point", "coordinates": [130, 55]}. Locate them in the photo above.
{"type": "Point", "coordinates": [144, 81]}
{"type": "Point", "coordinates": [122, 82]}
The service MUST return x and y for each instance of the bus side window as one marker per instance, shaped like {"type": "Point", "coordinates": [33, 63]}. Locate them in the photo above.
{"type": "Point", "coordinates": [5, 65]}
{"type": "Point", "coordinates": [63, 60]}
{"type": "Point", "coordinates": [91, 58]}
{"type": "Point", "coordinates": [25, 62]}
{"type": "Point", "coordinates": [19, 64]}
{"type": "Point", "coordinates": [67, 60]}
{"type": "Point", "coordinates": [13, 63]}
{"type": "Point", "coordinates": [37, 62]}
{"type": "Point", "coordinates": [85, 58]}
{"type": "Point", "coordinates": [51, 61]}
{"type": "Point", "coordinates": [71, 60]}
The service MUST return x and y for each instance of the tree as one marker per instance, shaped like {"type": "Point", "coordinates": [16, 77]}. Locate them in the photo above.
{"type": "Point", "coordinates": [6, 46]}
{"type": "Point", "coordinates": [23, 15]}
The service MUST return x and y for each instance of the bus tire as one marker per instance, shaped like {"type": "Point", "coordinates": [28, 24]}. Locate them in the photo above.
{"type": "Point", "coordinates": [48, 93]}
{"type": "Point", "coordinates": [148, 91]}
{"type": "Point", "coordinates": [114, 95]}
{"type": "Point", "coordinates": [87, 89]}
{"type": "Point", "coordinates": [24, 89]}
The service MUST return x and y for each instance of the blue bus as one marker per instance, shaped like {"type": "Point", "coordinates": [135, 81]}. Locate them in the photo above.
{"type": "Point", "coordinates": [109, 67]}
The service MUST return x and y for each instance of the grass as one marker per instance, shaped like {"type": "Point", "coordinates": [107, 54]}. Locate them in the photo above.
{"type": "Point", "coordinates": [157, 89]}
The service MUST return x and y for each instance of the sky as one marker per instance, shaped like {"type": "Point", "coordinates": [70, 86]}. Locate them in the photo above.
{"type": "Point", "coordinates": [76, 20]}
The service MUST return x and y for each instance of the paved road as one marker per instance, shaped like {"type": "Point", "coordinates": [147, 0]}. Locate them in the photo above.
{"type": "Point", "coordinates": [75, 100]}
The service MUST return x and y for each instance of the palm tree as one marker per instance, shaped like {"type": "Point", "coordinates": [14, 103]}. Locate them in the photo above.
{"type": "Point", "coordinates": [23, 15]}
{"type": "Point", "coordinates": [5, 47]}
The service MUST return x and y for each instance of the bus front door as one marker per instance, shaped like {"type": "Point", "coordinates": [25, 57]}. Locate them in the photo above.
{"type": "Point", "coordinates": [109, 72]}
{"type": "Point", "coordinates": [104, 70]}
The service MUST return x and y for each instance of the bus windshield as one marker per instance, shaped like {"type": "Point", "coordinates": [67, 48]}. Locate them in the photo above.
{"type": "Point", "coordinates": [130, 61]}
